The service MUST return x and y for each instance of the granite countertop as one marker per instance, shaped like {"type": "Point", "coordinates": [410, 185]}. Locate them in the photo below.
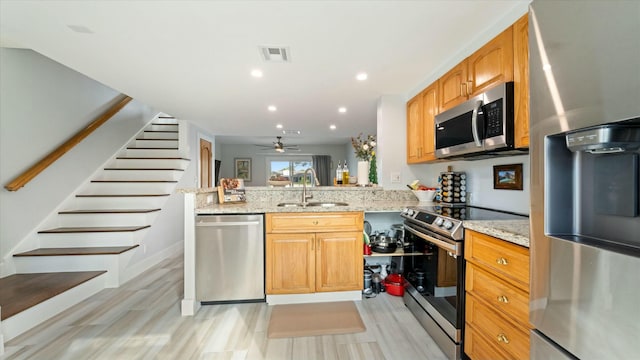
{"type": "Point", "coordinates": [514, 231]}
{"type": "Point", "coordinates": [271, 207]}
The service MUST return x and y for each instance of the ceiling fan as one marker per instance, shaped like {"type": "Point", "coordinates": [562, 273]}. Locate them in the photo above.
{"type": "Point", "coordinates": [278, 146]}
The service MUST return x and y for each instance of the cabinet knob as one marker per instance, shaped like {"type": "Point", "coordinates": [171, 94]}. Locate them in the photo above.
{"type": "Point", "coordinates": [503, 299]}
{"type": "Point", "coordinates": [502, 338]}
{"type": "Point", "coordinates": [315, 222]}
{"type": "Point", "coordinates": [501, 261]}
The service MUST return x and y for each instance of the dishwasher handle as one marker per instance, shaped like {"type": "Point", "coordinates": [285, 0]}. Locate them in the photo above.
{"type": "Point", "coordinates": [230, 223]}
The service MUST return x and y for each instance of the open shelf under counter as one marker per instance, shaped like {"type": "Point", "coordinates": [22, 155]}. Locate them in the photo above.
{"type": "Point", "coordinates": [398, 252]}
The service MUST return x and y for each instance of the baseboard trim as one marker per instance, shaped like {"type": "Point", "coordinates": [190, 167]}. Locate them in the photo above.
{"type": "Point", "coordinates": [314, 297]}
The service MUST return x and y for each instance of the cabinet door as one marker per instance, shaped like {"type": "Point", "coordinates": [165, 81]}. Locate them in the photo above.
{"type": "Point", "coordinates": [414, 130]}
{"type": "Point", "coordinates": [290, 263]}
{"type": "Point", "coordinates": [339, 261]}
{"type": "Point", "coordinates": [452, 87]}
{"type": "Point", "coordinates": [429, 110]}
{"type": "Point", "coordinates": [521, 81]}
{"type": "Point", "coordinates": [491, 64]}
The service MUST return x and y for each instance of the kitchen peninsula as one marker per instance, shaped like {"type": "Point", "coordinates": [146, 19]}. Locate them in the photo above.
{"type": "Point", "coordinates": [265, 200]}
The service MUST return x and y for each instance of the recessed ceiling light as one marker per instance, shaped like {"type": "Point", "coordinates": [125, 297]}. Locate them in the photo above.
{"type": "Point", "coordinates": [279, 126]}
{"type": "Point", "coordinates": [362, 76]}
{"type": "Point", "coordinates": [342, 109]}
{"type": "Point", "coordinates": [332, 127]}
{"type": "Point", "coordinates": [272, 108]}
{"type": "Point", "coordinates": [256, 73]}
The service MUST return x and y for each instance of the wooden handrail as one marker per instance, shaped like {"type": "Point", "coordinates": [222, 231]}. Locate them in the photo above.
{"type": "Point", "coordinates": [36, 169]}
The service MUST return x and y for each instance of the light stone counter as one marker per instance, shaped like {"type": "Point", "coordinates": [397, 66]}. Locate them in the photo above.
{"type": "Point", "coordinates": [271, 207]}
{"type": "Point", "coordinates": [514, 231]}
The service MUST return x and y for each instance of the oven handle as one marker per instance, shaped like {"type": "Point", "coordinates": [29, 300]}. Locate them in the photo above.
{"type": "Point", "coordinates": [474, 123]}
{"type": "Point", "coordinates": [454, 249]}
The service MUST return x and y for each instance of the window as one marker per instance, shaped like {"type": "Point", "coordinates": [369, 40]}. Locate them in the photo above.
{"type": "Point", "coordinates": [293, 169]}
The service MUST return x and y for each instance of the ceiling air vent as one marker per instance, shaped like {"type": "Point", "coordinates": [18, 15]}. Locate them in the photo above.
{"type": "Point", "coordinates": [275, 54]}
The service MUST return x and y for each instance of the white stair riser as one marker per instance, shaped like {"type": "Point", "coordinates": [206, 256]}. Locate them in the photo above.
{"type": "Point", "coordinates": [155, 144]}
{"type": "Point", "coordinates": [126, 219]}
{"type": "Point", "coordinates": [127, 238]}
{"type": "Point", "coordinates": [110, 263]}
{"type": "Point", "coordinates": [164, 127]}
{"type": "Point", "coordinates": [35, 315]}
{"type": "Point", "coordinates": [140, 175]}
{"type": "Point", "coordinates": [110, 188]}
{"type": "Point", "coordinates": [149, 163]}
{"type": "Point", "coordinates": [158, 135]}
{"type": "Point", "coordinates": [150, 202]}
{"type": "Point", "coordinates": [149, 153]}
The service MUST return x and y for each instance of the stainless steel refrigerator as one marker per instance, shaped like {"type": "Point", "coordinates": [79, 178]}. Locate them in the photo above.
{"type": "Point", "coordinates": [585, 136]}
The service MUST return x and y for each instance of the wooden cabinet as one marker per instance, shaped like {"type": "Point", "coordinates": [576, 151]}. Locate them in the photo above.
{"type": "Point", "coordinates": [521, 81]}
{"type": "Point", "coordinates": [497, 298]}
{"type": "Point", "coordinates": [490, 65]}
{"type": "Point", "coordinates": [313, 252]}
{"type": "Point", "coordinates": [421, 112]}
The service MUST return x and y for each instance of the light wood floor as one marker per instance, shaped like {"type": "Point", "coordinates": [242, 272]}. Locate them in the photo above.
{"type": "Point", "coordinates": [141, 320]}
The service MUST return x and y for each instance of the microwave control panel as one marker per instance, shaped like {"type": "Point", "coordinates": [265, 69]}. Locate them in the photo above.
{"type": "Point", "coordinates": [493, 119]}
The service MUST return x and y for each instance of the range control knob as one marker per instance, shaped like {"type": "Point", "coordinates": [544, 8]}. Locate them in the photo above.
{"type": "Point", "coordinates": [447, 225]}
{"type": "Point", "coordinates": [439, 221]}
{"type": "Point", "coordinates": [409, 212]}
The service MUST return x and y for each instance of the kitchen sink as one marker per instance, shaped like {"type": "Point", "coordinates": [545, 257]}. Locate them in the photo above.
{"type": "Point", "coordinates": [315, 203]}
{"type": "Point", "coordinates": [327, 204]}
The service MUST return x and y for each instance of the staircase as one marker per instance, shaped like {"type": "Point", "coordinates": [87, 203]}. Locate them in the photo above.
{"type": "Point", "coordinates": [87, 246]}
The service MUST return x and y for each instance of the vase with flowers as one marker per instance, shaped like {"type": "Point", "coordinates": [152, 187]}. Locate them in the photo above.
{"type": "Point", "coordinates": [364, 149]}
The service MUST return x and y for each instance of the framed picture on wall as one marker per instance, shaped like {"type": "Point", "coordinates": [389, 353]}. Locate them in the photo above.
{"type": "Point", "coordinates": [507, 177]}
{"type": "Point", "coordinates": [243, 168]}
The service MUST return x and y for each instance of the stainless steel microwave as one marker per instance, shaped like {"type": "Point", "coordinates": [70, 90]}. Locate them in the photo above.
{"type": "Point", "coordinates": [481, 126]}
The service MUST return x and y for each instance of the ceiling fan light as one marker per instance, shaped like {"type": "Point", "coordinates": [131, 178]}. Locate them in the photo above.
{"type": "Point", "coordinates": [280, 150]}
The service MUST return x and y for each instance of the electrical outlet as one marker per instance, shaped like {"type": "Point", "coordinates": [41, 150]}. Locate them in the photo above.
{"type": "Point", "coordinates": [395, 177]}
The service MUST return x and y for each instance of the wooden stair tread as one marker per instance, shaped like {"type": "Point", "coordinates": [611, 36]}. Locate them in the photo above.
{"type": "Point", "coordinates": [65, 230]}
{"type": "Point", "coordinates": [109, 211]}
{"type": "Point", "coordinates": [158, 139]}
{"type": "Point", "coordinates": [23, 291]}
{"type": "Point", "coordinates": [152, 148]}
{"type": "Point", "coordinates": [134, 181]}
{"type": "Point", "coordinates": [106, 250]}
{"type": "Point", "coordinates": [120, 195]}
{"type": "Point", "coordinates": [173, 169]}
{"type": "Point", "coordinates": [150, 158]}
{"type": "Point", "coordinates": [162, 131]}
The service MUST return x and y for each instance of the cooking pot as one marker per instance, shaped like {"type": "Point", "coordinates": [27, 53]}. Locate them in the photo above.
{"type": "Point", "coordinates": [394, 284]}
{"type": "Point", "coordinates": [383, 243]}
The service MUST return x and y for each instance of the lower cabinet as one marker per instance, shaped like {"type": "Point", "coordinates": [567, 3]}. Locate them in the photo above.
{"type": "Point", "coordinates": [497, 298]}
{"type": "Point", "coordinates": [313, 255]}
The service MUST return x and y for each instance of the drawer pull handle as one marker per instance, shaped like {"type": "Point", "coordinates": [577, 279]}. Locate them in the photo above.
{"type": "Point", "coordinates": [502, 261]}
{"type": "Point", "coordinates": [503, 299]}
{"type": "Point", "coordinates": [315, 222]}
{"type": "Point", "coordinates": [503, 338]}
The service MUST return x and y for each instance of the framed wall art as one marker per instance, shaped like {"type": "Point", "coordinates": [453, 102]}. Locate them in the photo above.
{"type": "Point", "coordinates": [507, 177]}
{"type": "Point", "coordinates": [243, 168]}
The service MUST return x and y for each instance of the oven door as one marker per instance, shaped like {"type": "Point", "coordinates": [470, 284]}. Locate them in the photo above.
{"type": "Point", "coordinates": [436, 278]}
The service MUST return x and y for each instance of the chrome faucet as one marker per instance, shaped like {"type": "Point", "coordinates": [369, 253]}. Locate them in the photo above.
{"type": "Point", "coordinates": [304, 185]}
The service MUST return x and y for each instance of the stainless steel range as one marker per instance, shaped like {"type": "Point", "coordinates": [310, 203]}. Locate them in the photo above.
{"type": "Point", "coordinates": [435, 293]}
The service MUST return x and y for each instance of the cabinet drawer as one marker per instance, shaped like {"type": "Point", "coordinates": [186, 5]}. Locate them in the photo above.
{"type": "Point", "coordinates": [502, 296]}
{"type": "Point", "coordinates": [478, 348]}
{"type": "Point", "coordinates": [496, 330]}
{"type": "Point", "coordinates": [314, 222]}
{"type": "Point", "coordinates": [510, 261]}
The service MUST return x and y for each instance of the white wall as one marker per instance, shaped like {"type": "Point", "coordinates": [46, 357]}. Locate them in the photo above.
{"type": "Point", "coordinates": [259, 171]}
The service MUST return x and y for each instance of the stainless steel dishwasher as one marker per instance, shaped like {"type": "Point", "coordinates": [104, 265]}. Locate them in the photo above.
{"type": "Point", "coordinates": [230, 258]}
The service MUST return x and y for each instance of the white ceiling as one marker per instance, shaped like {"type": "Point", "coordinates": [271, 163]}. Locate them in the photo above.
{"type": "Point", "coordinates": [192, 59]}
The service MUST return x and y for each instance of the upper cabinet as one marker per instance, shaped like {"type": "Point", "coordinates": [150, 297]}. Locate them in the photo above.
{"type": "Point", "coordinates": [521, 81]}
{"type": "Point", "coordinates": [490, 65]}
{"type": "Point", "coordinates": [504, 58]}
{"type": "Point", "coordinates": [421, 112]}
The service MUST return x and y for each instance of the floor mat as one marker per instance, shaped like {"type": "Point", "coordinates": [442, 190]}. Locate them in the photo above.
{"type": "Point", "coordinates": [314, 319]}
